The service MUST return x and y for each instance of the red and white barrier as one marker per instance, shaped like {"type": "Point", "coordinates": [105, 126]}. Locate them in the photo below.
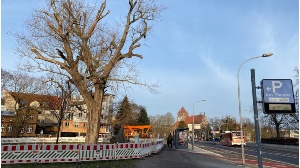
{"type": "Point", "coordinates": [12, 154]}
{"type": "Point", "coordinates": [146, 149]}
{"type": "Point", "coordinates": [127, 151]}
{"type": "Point", "coordinates": [50, 153]}
{"type": "Point", "coordinates": [157, 146]}
{"type": "Point", "coordinates": [58, 153]}
{"type": "Point", "coordinates": [97, 152]}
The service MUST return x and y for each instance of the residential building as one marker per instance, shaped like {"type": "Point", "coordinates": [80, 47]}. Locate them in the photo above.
{"type": "Point", "coordinates": [8, 118]}
{"type": "Point", "coordinates": [200, 122]}
{"type": "Point", "coordinates": [47, 108]}
{"type": "Point", "coordinates": [26, 109]}
{"type": "Point", "coordinates": [75, 120]}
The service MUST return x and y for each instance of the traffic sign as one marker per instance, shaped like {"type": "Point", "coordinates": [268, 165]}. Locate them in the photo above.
{"type": "Point", "coordinates": [278, 96]}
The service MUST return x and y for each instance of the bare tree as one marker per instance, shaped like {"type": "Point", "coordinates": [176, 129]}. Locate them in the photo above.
{"type": "Point", "coordinates": [73, 39]}
{"type": "Point", "coordinates": [21, 82]}
{"type": "Point", "coordinates": [285, 121]}
{"type": "Point", "coordinates": [20, 85]}
{"type": "Point", "coordinates": [62, 88]}
{"type": "Point", "coordinates": [216, 123]}
{"type": "Point", "coordinates": [162, 123]}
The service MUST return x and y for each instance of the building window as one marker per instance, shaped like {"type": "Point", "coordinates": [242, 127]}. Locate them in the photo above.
{"type": "Point", "coordinates": [31, 117]}
{"type": "Point", "coordinates": [9, 128]}
{"type": "Point", "coordinates": [2, 128]}
{"type": "Point", "coordinates": [29, 129]}
{"type": "Point", "coordinates": [84, 125]}
{"type": "Point", "coordinates": [68, 116]}
{"type": "Point", "coordinates": [22, 103]}
{"type": "Point", "coordinates": [21, 130]}
{"type": "Point", "coordinates": [3, 119]}
{"type": "Point", "coordinates": [80, 115]}
{"type": "Point", "coordinates": [76, 125]}
{"type": "Point", "coordinates": [67, 124]}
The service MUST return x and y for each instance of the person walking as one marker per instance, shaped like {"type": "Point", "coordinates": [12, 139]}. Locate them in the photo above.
{"type": "Point", "coordinates": [169, 140]}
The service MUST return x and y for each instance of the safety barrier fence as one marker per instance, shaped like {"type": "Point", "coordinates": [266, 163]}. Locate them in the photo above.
{"type": "Point", "coordinates": [46, 140]}
{"type": "Point", "coordinates": [51, 153]}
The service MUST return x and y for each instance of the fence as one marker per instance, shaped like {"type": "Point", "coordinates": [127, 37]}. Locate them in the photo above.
{"type": "Point", "coordinates": [51, 153]}
{"type": "Point", "coordinates": [46, 140]}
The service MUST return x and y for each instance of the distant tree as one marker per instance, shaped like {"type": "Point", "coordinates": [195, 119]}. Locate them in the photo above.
{"type": "Point", "coordinates": [285, 121]}
{"type": "Point", "coordinates": [143, 117]}
{"type": "Point", "coordinates": [215, 123]}
{"type": "Point", "coordinates": [161, 124]}
{"type": "Point", "coordinates": [62, 88]}
{"type": "Point", "coordinates": [182, 124]}
{"type": "Point", "coordinates": [21, 82]}
{"type": "Point", "coordinates": [125, 115]}
{"type": "Point", "coordinates": [6, 78]}
{"type": "Point", "coordinates": [295, 119]}
{"type": "Point", "coordinates": [229, 123]}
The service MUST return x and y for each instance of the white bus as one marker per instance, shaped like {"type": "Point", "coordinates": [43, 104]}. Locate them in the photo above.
{"type": "Point", "coordinates": [233, 138]}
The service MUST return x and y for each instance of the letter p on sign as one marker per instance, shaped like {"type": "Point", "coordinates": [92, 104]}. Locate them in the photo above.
{"type": "Point", "coordinates": [276, 85]}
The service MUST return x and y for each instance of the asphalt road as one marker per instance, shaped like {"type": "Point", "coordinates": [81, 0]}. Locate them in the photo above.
{"type": "Point", "coordinates": [287, 155]}
{"type": "Point", "coordinates": [173, 158]}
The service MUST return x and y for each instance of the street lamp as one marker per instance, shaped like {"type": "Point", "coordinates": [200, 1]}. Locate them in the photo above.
{"type": "Point", "coordinates": [239, 99]}
{"type": "Point", "coordinates": [194, 123]}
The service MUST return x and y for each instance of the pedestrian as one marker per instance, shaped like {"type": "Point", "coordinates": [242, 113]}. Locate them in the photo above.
{"type": "Point", "coordinates": [169, 140]}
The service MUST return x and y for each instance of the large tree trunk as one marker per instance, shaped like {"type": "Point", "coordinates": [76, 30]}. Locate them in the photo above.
{"type": "Point", "coordinates": [94, 112]}
{"type": "Point", "coordinates": [277, 130]}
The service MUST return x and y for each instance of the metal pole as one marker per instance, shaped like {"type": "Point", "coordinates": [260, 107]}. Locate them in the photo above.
{"type": "Point", "coordinates": [239, 99]}
{"type": "Point", "coordinates": [193, 126]}
{"type": "Point", "coordinates": [257, 132]}
{"type": "Point", "coordinates": [194, 123]}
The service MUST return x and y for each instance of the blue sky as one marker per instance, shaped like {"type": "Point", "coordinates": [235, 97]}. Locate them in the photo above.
{"type": "Point", "coordinates": [196, 50]}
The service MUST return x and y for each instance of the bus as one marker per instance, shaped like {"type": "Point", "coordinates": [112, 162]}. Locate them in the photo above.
{"type": "Point", "coordinates": [232, 138]}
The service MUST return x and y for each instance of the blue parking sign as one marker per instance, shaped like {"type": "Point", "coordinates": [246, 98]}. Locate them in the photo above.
{"type": "Point", "coordinates": [278, 96]}
{"type": "Point", "coordinates": [278, 91]}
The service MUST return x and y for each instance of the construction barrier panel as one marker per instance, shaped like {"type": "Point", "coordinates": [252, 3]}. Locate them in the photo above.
{"type": "Point", "coordinates": [58, 153]}
{"type": "Point", "coordinates": [146, 149]}
{"type": "Point", "coordinates": [157, 146]}
{"type": "Point", "coordinates": [51, 153]}
{"type": "Point", "coordinates": [12, 154]}
{"type": "Point", "coordinates": [127, 151]}
{"type": "Point", "coordinates": [97, 152]}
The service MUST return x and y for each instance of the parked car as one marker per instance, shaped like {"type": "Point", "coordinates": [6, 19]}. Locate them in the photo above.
{"type": "Point", "coordinates": [216, 139]}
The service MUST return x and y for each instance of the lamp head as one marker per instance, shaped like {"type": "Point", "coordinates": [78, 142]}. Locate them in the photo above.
{"type": "Point", "coordinates": [267, 54]}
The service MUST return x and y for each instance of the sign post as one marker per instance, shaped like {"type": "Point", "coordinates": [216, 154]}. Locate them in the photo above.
{"type": "Point", "coordinates": [278, 96]}
{"type": "Point", "coordinates": [257, 131]}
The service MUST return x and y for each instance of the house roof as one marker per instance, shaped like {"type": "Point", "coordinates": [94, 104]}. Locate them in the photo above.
{"type": "Point", "coordinates": [8, 113]}
{"type": "Point", "coordinates": [45, 101]}
{"type": "Point", "coordinates": [182, 112]}
{"type": "Point", "coordinates": [197, 119]}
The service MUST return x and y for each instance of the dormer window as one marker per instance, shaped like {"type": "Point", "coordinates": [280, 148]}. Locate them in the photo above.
{"type": "Point", "coordinates": [22, 103]}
